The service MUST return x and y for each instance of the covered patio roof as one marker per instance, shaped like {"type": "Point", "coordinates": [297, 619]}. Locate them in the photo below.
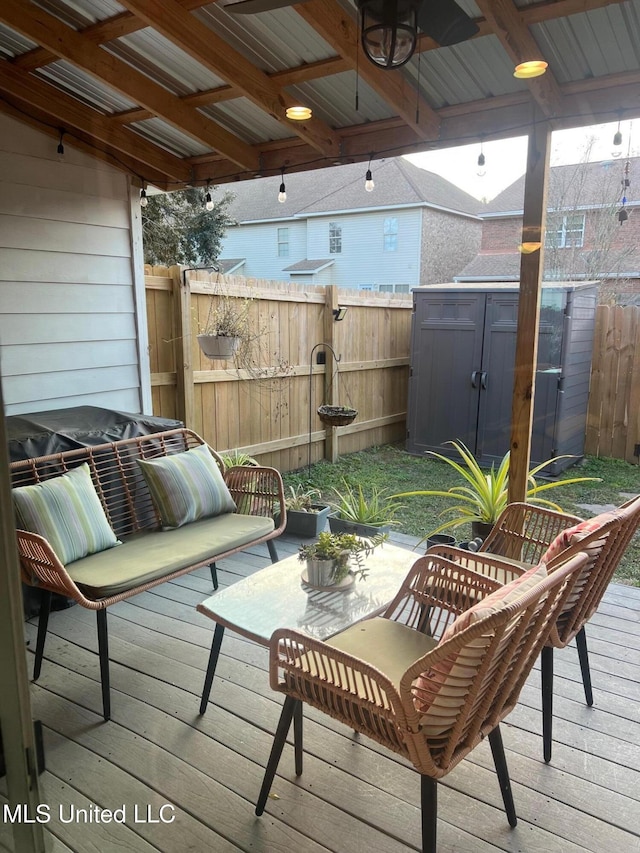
{"type": "Point", "coordinates": [184, 91]}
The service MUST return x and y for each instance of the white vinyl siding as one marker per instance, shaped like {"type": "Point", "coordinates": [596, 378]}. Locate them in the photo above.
{"type": "Point", "coordinates": [258, 244]}
{"type": "Point", "coordinates": [68, 330]}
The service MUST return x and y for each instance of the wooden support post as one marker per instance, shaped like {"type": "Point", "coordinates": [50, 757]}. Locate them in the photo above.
{"type": "Point", "coordinates": [531, 268]}
{"type": "Point", "coordinates": [185, 403]}
{"type": "Point", "coordinates": [331, 367]}
{"type": "Point", "coordinates": [16, 724]}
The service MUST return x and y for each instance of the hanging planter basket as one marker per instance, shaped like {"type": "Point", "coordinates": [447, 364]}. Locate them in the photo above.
{"type": "Point", "coordinates": [336, 415]}
{"type": "Point", "coordinates": [218, 346]}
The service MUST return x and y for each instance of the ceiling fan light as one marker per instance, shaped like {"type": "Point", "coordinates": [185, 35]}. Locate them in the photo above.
{"type": "Point", "coordinates": [298, 113]}
{"type": "Point", "coordinates": [389, 31]}
{"type": "Point", "coordinates": [532, 68]}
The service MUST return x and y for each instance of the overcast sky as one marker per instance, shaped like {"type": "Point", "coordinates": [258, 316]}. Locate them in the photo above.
{"type": "Point", "coordinates": [505, 159]}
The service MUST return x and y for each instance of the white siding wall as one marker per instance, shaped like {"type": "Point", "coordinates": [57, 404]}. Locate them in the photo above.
{"type": "Point", "coordinates": [363, 260]}
{"type": "Point", "coordinates": [259, 245]}
{"type": "Point", "coordinates": [67, 306]}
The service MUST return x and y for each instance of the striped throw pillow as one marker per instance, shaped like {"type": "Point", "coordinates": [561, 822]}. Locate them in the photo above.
{"type": "Point", "coordinates": [66, 510]}
{"type": "Point", "coordinates": [186, 486]}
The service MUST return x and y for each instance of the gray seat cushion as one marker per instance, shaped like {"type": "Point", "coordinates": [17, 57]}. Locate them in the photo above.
{"type": "Point", "coordinates": [147, 556]}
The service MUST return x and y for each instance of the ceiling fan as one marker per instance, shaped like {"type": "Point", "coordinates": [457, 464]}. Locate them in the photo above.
{"type": "Point", "coordinates": [389, 28]}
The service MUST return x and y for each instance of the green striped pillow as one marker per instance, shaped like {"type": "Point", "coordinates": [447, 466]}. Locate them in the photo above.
{"type": "Point", "coordinates": [66, 510]}
{"type": "Point", "coordinates": [186, 486]}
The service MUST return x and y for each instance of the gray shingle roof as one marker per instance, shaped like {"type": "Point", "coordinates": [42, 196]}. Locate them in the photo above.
{"type": "Point", "coordinates": [587, 184]}
{"type": "Point", "coordinates": [309, 266]}
{"type": "Point", "coordinates": [397, 182]}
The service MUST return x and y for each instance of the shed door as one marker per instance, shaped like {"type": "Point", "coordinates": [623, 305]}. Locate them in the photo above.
{"type": "Point", "coordinates": [446, 350]}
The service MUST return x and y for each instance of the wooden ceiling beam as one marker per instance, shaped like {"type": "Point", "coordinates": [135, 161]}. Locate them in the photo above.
{"type": "Point", "coordinates": [503, 117]}
{"type": "Point", "coordinates": [48, 31]}
{"type": "Point", "coordinates": [213, 52]}
{"type": "Point", "coordinates": [288, 77]}
{"type": "Point", "coordinates": [71, 114]}
{"type": "Point", "coordinates": [101, 32]}
{"type": "Point", "coordinates": [509, 26]}
{"type": "Point", "coordinates": [339, 29]}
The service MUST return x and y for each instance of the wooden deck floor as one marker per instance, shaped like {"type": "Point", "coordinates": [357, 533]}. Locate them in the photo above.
{"type": "Point", "coordinates": [352, 796]}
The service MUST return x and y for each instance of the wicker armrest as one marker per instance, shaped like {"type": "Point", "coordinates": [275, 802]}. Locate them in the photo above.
{"type": "Point", "coordinates": [40, 566]}
{"type": "Point", "coordinates": [435, 591]}
{"type": "Point", "coordinates": [257, 491]}
{"type": "Point", "coordinates": [331, 679]}
{"type": "Point", "coordinates": [524, 531]}
{"type": "Point", "coordinates": [501, 569]}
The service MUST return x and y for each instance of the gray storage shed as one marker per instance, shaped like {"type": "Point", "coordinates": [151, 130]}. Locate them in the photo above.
{"type": "Point", "coordinates": [463, 344]}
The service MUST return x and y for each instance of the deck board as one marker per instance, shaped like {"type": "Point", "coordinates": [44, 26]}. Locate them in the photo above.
{"type": "Point", "coordinates": [353, 795]}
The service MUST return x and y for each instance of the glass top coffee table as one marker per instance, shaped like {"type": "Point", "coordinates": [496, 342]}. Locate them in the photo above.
{"type": "Point", "coordinates": [277, 597]}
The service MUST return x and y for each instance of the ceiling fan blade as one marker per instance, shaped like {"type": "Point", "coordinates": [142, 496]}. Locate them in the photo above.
{"type": "Point", "coordinates": [251, 7]}
{"type": "Point", "coordinates": [444, 21]}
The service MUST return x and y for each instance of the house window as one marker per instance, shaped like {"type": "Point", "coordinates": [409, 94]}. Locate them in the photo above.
{"type": "Point", "coordinates": [283, 242]}
{"type": "Point", "coordinates": [390, 234]}
{"type": "Point", "coordinates": [564, 232]}
{"type": "Point", "coordinates": [335, 238]}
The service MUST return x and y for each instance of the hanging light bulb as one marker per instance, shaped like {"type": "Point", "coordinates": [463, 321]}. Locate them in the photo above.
{"type": "Point", "coordinates": [144, 201]}
{"type": "Point", "coordinates": [60, 149]}
{"type": "Point", "coordinates": [282, 192]}
{"type": "Point", "coordinates": [368, 179]}
{"type": "Point", "coordinates": [208, 202]}
{"type": "Point", "coordinates": [481, 172]}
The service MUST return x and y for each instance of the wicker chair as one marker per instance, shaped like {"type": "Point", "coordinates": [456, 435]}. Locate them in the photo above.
{"type": "Point", "coordinates": [528, 534]}
{"type": "Point", "coordinates": [431, 698]}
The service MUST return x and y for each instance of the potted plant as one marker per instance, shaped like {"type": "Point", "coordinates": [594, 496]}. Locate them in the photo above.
{"type": "Point", "coordinates": [226, 327]}
{"type": "Point", "coordinates": [484, 494]}
{"type": "Point", "coordinates": [235, 458]}
{"type": "Point", "coordinates": [327, 558]}
{"type": "Point", "coordinates": [355, 513]}
{"type": "Point", "coordinates": [306, 513]}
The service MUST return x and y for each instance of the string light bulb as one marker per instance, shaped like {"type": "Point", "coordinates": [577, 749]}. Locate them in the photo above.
{"type": "Point", "coordinates": [208, 201]}
{"type": "Point", "coordinates": [60, 149]}
{"type": "Point", "coordinates": [617, 142]}
{"type": "Point", "coordinates": [481, 171]}
{"type": "Point", "coordinates": [369, 185]}
{"type": "Point", "coordinates": [144, 201]}
{"type": "Point", "coordinates": [282, 192]}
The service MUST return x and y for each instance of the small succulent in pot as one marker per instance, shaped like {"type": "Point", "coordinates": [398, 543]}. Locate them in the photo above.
{"type": "Point", "coordinates": [338, 548]}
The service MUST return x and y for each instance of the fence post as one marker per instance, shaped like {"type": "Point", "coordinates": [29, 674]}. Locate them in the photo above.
{"type": "Point", "coordinates": [185, 404]}
{"type": "Point", "coordinates": [331, 366]}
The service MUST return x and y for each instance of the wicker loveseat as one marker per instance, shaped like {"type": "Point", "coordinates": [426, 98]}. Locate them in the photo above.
{"type": "Point", "coordinates": [147, 554]}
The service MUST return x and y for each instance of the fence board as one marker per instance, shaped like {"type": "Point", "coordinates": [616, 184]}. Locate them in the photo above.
{"type": "Point", "coordinates": [235, 406]}
{"type": "Point", "coordinates": [613, 420]}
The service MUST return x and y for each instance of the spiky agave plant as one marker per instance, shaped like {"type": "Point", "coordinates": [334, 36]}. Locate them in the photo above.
{"type": "Point", "coordinates": [486, 494]}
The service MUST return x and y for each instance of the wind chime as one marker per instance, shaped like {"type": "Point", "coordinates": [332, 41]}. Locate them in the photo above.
{"type": "Point", "coordinates": [626, 183]}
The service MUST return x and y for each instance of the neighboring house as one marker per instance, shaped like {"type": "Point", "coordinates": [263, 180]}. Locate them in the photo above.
{"type": "Point", "coordinates": [72, 304]}
{"type": "Point", "coordinates": [584, 239]}
{"type": "Point", "coordinates": [413, 228]}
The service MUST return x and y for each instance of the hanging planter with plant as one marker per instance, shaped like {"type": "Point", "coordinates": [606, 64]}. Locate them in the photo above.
{"type": "Point", "coordinates": [226, 327]}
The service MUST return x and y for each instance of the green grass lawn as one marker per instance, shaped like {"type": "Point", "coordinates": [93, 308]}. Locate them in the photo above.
{"type": "Point", "coordinates": [392, 468]}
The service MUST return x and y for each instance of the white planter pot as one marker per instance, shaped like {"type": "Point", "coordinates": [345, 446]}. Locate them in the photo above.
{"type": "Point", "coordinates": [321, 572]}
{"type": "Point", "coordinates": [218, 346]}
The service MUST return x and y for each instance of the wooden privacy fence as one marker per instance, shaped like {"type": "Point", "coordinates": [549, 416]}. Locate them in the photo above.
{"type": "Point", "coordinates": [266, 406]}
{"type": "Point", "coordinates": [613, 420]}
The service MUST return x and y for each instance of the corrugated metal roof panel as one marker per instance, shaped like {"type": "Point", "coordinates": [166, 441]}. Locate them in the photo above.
{"type": "Point", "coordinates": [12, 43]}
{"type": "Point", "coordinates": [333, 99]}
{"type": "Point", "coordinates": [247, 121]}
{"type": "Point", "coordinates": [273, 41]}
{"type": "Point", "coordinates": [465, 72]}
{"type": "Point", "coordinates": [169, 137]}
{"type": "Point", "coordinates": [82, 85]}
{"type": "Point", "coordinates": [164, 62]}
{"type": "Point", "coordinates": [592, 44]}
